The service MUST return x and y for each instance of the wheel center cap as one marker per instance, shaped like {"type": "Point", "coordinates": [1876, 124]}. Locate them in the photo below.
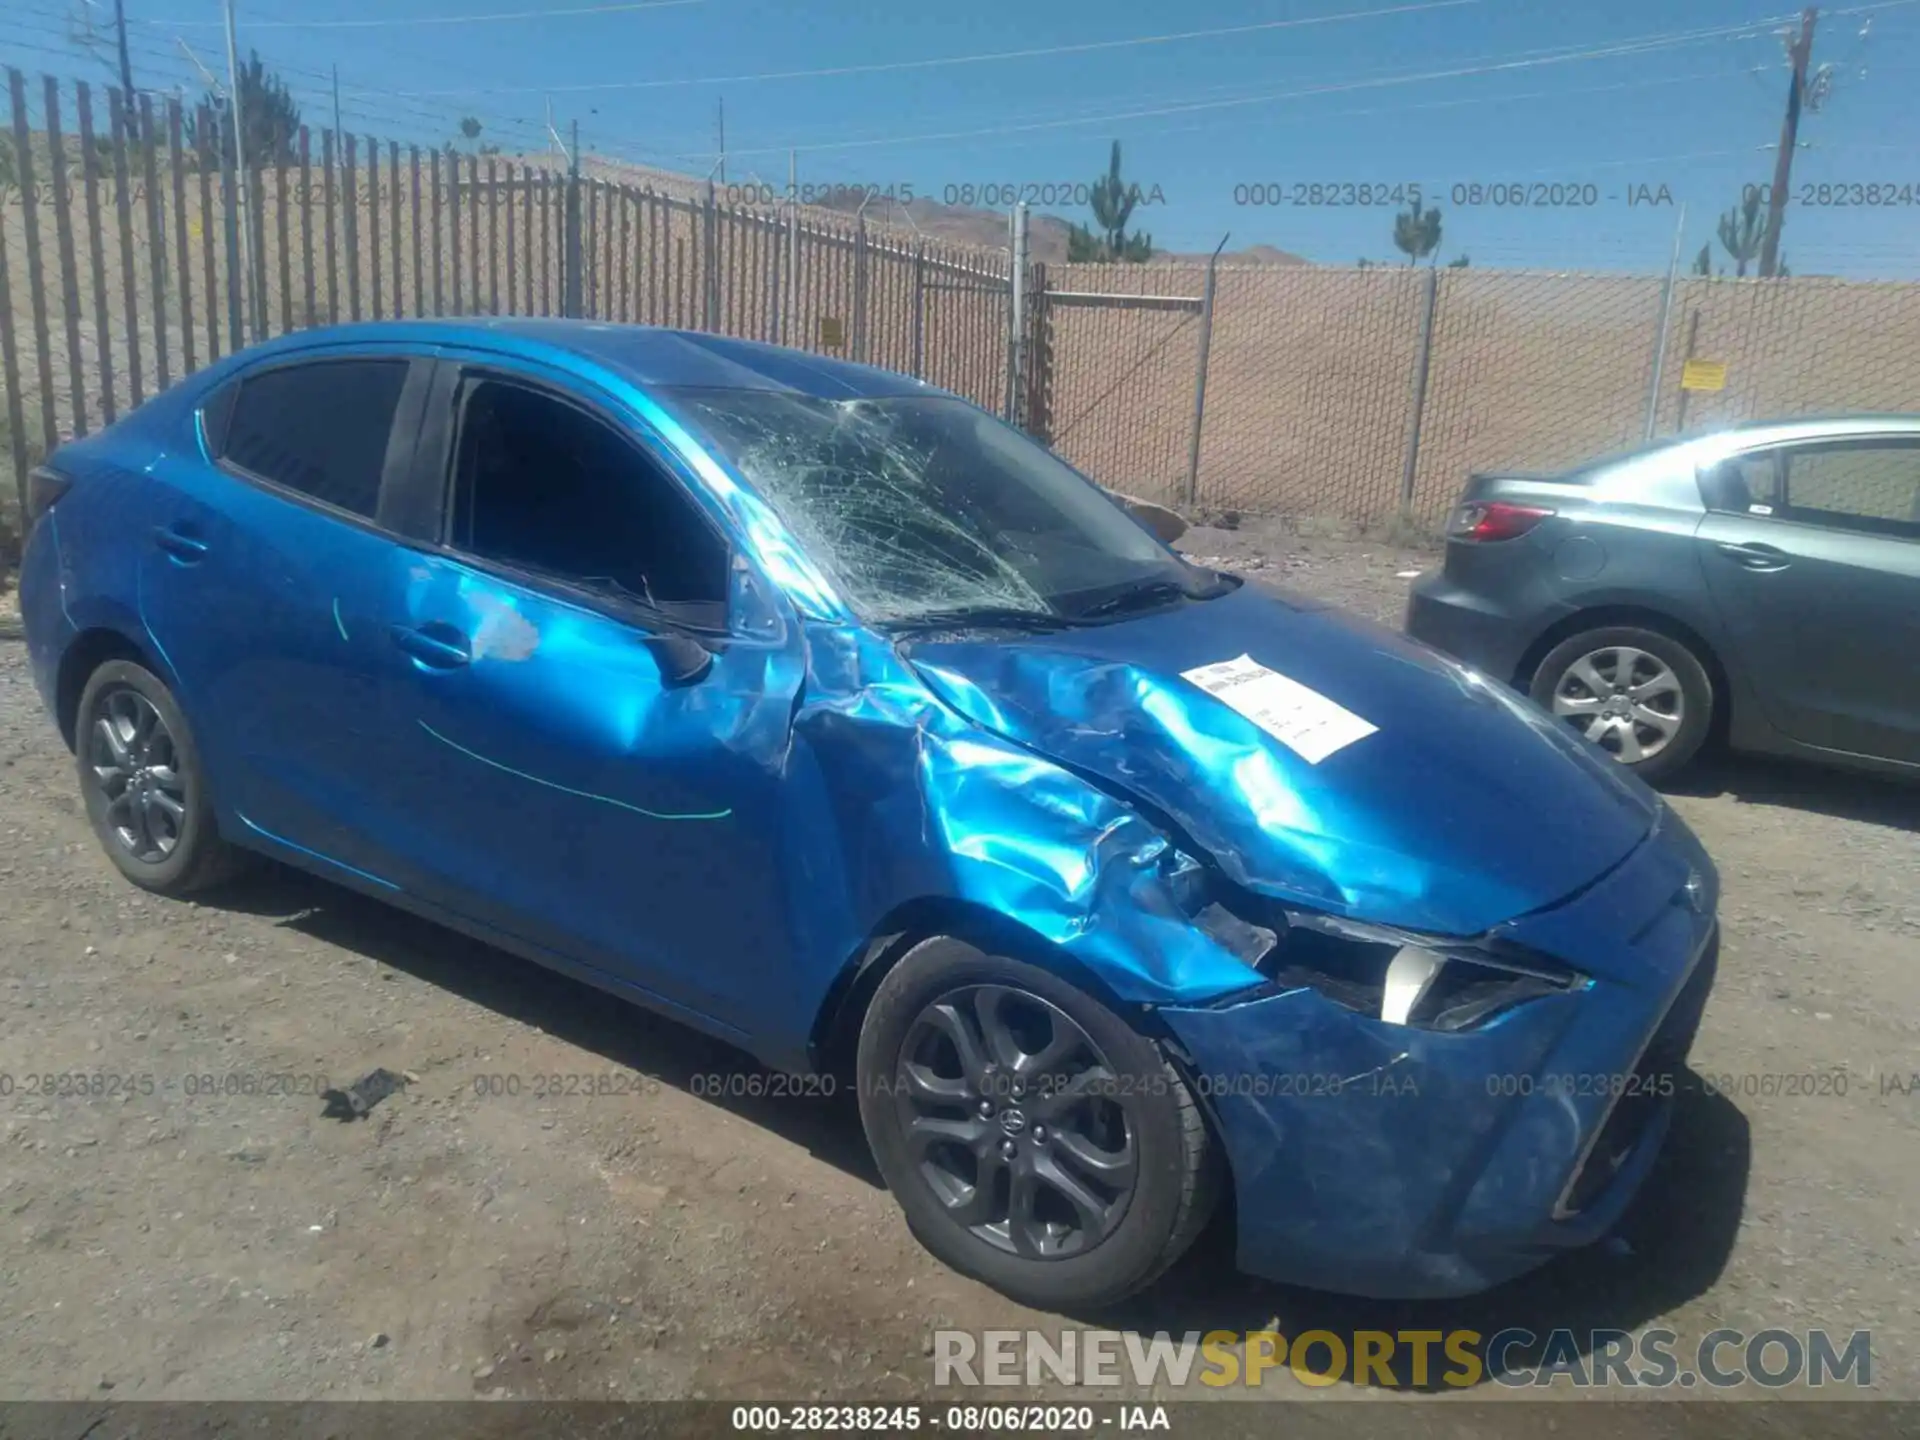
{"type": "Point", "coordinates": [1012, 1121]}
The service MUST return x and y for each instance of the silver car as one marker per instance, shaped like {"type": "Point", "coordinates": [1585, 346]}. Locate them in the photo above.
{"type": "Point", "coordinates": [1761, 583]}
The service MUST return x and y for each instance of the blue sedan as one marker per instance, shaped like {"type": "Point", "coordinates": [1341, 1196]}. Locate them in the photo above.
{"type": "Point", "coordinates": [815, 707]}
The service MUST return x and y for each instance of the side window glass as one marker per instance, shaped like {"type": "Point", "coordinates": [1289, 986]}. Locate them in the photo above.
{"type": "Point", "coordinates": [1862, 487]}
{"type": "Point", "coordinates": [1871, 486]}
{"type": "Point", "coordinates": [545, 487]}
{"type": "Point", "coordinates": [321, 428]}
{"type": "Point", "coordinates": [1745, 484]}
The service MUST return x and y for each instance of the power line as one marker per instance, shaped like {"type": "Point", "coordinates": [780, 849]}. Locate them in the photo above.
{"type": "Point", "coordinates": [935, 62]}
{"type": "Point", "coordinates": [395, 22]}
{"type": "Point", "coordinates": [1645, 45]}
{"type": "Point", "coordinates": [1399, 109]}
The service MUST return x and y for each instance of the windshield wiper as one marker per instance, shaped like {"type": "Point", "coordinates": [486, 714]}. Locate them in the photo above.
{"type": "Point", "coordinates": [1147, 596]}
{"type": "Point", "coordinates": [980, 617]}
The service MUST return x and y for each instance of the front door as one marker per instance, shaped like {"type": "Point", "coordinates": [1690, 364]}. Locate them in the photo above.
{"type": "Point", "coordinates": [598, 753]}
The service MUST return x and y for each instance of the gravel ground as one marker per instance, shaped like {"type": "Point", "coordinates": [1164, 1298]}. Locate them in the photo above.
{"type": "Point", "coordinates": [182, 1241]}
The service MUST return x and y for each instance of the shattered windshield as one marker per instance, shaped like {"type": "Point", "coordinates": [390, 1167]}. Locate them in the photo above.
{"type": "Point", "coordinates": [925, 506]}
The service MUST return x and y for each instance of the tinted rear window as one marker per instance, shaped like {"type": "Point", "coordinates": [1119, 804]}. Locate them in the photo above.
{"type": "Point", "coordinates": [321, 429]}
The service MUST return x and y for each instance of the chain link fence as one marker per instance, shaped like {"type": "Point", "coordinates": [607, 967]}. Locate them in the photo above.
{"type": "Point", "coordinates": [133, 251]}
{"type": "Point", "coordinates": [1371, 395]}
{"type": "Point", "coordinates": [129, 257]}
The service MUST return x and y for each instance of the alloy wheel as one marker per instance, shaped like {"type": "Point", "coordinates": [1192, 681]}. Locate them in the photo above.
{"type": "Point", "coordinates": [1627, 701]}
{"type": "Point", "coordinates": [135, 766]}
{"type": "Point", "coordinates": [1016, 1121]}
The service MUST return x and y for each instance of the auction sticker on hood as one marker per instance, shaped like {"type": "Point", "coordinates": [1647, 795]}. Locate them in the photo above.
{"type": "Point", "coordinates": [1303, 720]}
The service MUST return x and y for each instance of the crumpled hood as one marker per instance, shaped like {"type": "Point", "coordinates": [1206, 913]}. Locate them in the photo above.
{"type": "Point", "coordinates": [1462, 808]}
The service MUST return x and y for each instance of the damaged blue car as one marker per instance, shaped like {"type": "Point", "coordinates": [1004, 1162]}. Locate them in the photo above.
{"type": "Point", "coordinates": [819, 709]}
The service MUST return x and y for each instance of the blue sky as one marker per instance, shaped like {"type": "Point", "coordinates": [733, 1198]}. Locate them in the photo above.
{"type": "Point", "coordinates": [1681, 94]}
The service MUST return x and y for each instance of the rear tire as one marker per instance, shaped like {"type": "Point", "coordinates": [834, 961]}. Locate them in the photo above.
{"type": "Point", "coordinates": [1634, 692]}
{"type": "Point", "coordinates": [1068, 1164]}
{"type": "Point", "coordinates": [144, 786]}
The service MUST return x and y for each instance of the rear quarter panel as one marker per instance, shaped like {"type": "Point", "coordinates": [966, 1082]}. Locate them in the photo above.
{"type": "Point", "coordinates": [1621, 541]}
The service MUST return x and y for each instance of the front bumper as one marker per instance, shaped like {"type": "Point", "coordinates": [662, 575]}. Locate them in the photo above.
{"type": "Point", "coordinates": [1388, 1161]}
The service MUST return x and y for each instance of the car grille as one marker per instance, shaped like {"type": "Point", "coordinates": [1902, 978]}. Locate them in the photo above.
{"type": "Point", "coordinates": [1654, 1080]}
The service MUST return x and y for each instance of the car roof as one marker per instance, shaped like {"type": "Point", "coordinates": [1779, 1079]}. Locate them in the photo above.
{"type": "Point", "coordinates": [1817, 427]}
{"type": "Point", "coordinates": [648, 355]}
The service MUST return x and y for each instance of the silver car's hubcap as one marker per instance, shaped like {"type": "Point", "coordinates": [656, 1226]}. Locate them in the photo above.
{"type": "Point", "coordinates": [135, 768]}
{"type": "Point", "coordinates": [1626, 701]}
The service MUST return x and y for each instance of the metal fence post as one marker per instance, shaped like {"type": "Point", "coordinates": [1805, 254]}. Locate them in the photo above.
{"type": "Point", "coordinates": [861, 275]}
{"type": "Point", "coordinates": [1016, 310]}
{"type": "Point", "coordinates": [709, 263]}
{"type": "Point", "coordinates": [920, 307]}
{"type": "Point", "coordinates": [10, 377]}
{"type": "Point", "coordinates": [1200, 371]}
{"type": "Point", "coordinates": [1421, 366]}
{"type": "Point", "coordinates": [241, 188]}
{"type": "Point", "coordinates": [36, 277]}
{"type": "Point", "coordinates": [1660, 338]}
{"type": "Point", "coordinates": [1036, 417]}
{"type": "Point", "coordinates": [571, 242]}
{"type": "Point", "coordinates": [230, 206]}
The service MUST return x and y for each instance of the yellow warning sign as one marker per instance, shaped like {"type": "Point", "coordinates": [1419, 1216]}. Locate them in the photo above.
{"type": "Point", "coordinates": [1704, 375]}
{"type": "Point", "coordinates": [833, 332]}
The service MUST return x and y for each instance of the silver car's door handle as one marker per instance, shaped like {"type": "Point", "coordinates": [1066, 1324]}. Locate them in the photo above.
{"type": "Point", "coordinates": [1755, 556]}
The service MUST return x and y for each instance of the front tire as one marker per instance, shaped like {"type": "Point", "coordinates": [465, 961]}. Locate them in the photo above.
{"type": "Point", "coordinates": [1034, 1139]}
{"type": "Point", "coordinates": [143, 783]}
{"type": "Point", "coordinates": [1640, 695]}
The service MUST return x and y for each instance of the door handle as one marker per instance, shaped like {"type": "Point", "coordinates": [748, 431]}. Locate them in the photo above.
{"type": "Point", "coordinates": [440, 646]}
{"type": "Point", "coordinates": [1755, 556]}
{"type": "Point", "coordinates": [176, 542]}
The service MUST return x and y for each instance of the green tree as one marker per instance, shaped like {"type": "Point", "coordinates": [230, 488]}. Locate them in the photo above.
{"type": "Point", "coordinates": [268, 114]}
{"type": "Point", "coordinates": [1703, 262]}
{"type": "Point", "coordinates": [1460, 262]}
{"type": "Point", "coordinates": [470, 128]}
{"type": "Point", "coordinates": [1743, 230]}
{"type": "Point", "coordinates": [1416, 235]}
{"type": "Point", "coordinates": [1112, 203]}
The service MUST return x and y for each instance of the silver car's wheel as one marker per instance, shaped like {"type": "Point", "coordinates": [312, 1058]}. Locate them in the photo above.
{"type": "Point", "coordinates": [1626, 701]}
{"type": "Point", "coordinates": [1642, 696]}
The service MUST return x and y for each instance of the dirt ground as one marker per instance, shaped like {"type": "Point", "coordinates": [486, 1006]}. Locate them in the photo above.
{"type": "Point", "coordinates": [210, 1235]}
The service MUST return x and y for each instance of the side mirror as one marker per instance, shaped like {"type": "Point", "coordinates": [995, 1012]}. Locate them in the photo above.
{"type": "Point", "coordinates": [681, 658]}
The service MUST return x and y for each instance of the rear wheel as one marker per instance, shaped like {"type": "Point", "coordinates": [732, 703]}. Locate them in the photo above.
{"type": "Point", "coordinates": [145, 790]}
{"type": "Point", "coordinates": [1035, 1140]}
{"type": "Point", "coordinates": [1643, 697]}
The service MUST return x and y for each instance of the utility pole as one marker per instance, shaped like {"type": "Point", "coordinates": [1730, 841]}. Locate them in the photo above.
{"type": "Point", "coordinates": [126, 61]}
{"type": "Point", "coordinates": [243, 188]}
{"type": "Point", "coordinates": [1801, 54]}
{"type": "Point", "coordinates": [723, 142]}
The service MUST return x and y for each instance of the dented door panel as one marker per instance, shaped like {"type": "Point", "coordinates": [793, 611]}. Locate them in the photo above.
{"type": "Point", "coordinates": [566, 791]}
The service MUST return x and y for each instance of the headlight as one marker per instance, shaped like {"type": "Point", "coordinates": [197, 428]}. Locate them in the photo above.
{"type": "Point", "coordinates": [1402, 978]}
{"type": "Point", "coordinates": [1399, 977]}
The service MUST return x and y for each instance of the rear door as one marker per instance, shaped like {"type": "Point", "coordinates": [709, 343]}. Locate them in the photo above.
{"type": "Point", "coordinates": [1812, 554]}
{"type": "Point", "coordinates": [260, 581]}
